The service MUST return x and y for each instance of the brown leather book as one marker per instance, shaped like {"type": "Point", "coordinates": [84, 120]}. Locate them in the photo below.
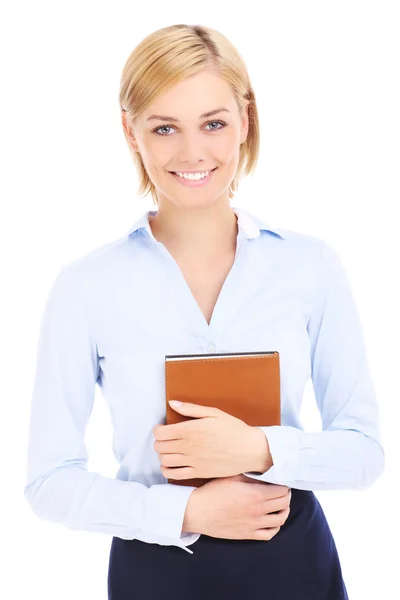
{"type": "Point", "coordinates": [246, 385]}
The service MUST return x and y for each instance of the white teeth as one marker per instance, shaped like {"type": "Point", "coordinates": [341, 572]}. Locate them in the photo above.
{"type": "Point", "coordinates": [193, 176]}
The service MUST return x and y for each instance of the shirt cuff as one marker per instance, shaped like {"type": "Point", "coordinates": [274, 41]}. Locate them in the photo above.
{"type": "Point", "coordinates": [284, 448]}
{"type": "Point", "coordinates": [164, 514]}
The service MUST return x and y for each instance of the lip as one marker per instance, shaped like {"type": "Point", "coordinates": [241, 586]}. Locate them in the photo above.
{"type": "Point", "coordinates": [193, 172]}
{"type": "Point", "coordinates": [194, 183]}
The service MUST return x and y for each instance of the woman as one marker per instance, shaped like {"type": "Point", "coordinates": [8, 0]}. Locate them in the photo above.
{"type": "Point", "coordinates": [200, 276]}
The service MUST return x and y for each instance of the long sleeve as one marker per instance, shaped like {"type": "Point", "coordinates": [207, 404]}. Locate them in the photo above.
{"type": "Point", "coordinates": [348, 452]}
{"type": "Point", "coordinates": [59, 487]}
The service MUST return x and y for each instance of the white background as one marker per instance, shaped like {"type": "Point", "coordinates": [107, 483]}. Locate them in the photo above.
{"type": "Point", "coordinates": [326, 77]}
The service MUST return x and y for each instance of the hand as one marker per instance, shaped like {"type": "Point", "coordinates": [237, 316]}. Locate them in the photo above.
{"type": "Point", "coordinates": [237, 508]}
{"type": "Point", "coordinates": [213, 444]}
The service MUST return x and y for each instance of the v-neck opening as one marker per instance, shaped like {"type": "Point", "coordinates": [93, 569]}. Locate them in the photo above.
{"type": "Point", "coordinates": [193, 306]}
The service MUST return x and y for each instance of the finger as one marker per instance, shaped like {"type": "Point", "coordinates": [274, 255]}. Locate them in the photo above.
{"type": "Point", "coordinates": [169, 446]}
{"type": "Point", "coordinates": [276, 519]}
{"type": "Point", "coordinates": [178, 473]}
{"type": "Point", "coordinates": [174, 460]}
{"type": "Point", "coordinates": [272, 490]}
{"type": "Point", "coordinates": [275, 504]}
{"type": "Point", "coordinates": [277, 491]}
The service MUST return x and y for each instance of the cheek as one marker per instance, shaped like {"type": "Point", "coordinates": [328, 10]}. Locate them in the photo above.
{"type": "Point", "coordinates": [228, 149]}
{"type": "Point", "coordinates": [154, 162]}
{"type": "Point", "coordinates": [155, 151]}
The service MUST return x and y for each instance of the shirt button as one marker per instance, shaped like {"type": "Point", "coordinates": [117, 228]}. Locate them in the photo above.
{"type": "Point", "coordinates": [211, 348]}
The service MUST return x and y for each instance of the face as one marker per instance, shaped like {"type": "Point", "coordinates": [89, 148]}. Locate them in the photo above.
{"type": "Point", "coordinates": [188, 141]}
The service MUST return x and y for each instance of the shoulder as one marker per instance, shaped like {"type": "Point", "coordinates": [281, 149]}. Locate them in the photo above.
{"type": "Point", "coordinates": [302, 244]}
{"type": "Point", "coordinates": [298, 237]}
{"type": "Point", "coordinates": [96, 267]}
{"type": "Point", "coordinates": [310, 253]}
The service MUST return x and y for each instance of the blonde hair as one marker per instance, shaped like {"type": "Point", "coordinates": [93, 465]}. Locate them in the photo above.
{"type": "Point", "coordinates": [169, 55]}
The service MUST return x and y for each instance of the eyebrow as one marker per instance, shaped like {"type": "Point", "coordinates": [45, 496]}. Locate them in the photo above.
{"type": "Point", "coordinates": [203, 116]}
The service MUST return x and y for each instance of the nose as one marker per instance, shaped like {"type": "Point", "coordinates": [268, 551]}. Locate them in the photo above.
{"type": "Point", "coordinates": [191, 150]}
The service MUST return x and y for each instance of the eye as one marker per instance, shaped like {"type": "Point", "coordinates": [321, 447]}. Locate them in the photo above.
{"type": "Point", "coordinates": [157, 129]}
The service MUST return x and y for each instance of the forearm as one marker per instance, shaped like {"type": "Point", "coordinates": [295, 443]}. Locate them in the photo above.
{"type": "Point", "coordinates": [323, 460]}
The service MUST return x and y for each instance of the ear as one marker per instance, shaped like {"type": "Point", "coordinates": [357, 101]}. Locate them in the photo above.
{"type": "Point", "coordinates": [244, 128]}
{"type": "Point", "coordinates": [128, 130]}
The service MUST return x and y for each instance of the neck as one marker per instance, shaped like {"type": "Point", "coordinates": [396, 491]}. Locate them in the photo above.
{"type": "Point", "coordinates": [196, 233]}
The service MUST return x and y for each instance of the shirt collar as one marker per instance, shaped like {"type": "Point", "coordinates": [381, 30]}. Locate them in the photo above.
{"type": "Point", "coordinates": [250, 224]}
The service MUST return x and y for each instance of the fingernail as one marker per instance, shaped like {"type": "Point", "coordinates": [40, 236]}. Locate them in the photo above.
{"type": "Point", "coordinates": [175, 403]}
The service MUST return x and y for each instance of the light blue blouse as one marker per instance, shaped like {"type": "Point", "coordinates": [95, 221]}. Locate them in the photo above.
{"type": "Point", "coordinates": [112, 316]}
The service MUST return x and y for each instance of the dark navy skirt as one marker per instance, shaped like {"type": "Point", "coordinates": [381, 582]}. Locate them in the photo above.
{"type": "Point", "coordinates": [299, 563]}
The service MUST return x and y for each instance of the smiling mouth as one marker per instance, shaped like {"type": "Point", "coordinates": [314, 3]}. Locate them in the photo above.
{"type": "Point", "coordinates": [211, 170]}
